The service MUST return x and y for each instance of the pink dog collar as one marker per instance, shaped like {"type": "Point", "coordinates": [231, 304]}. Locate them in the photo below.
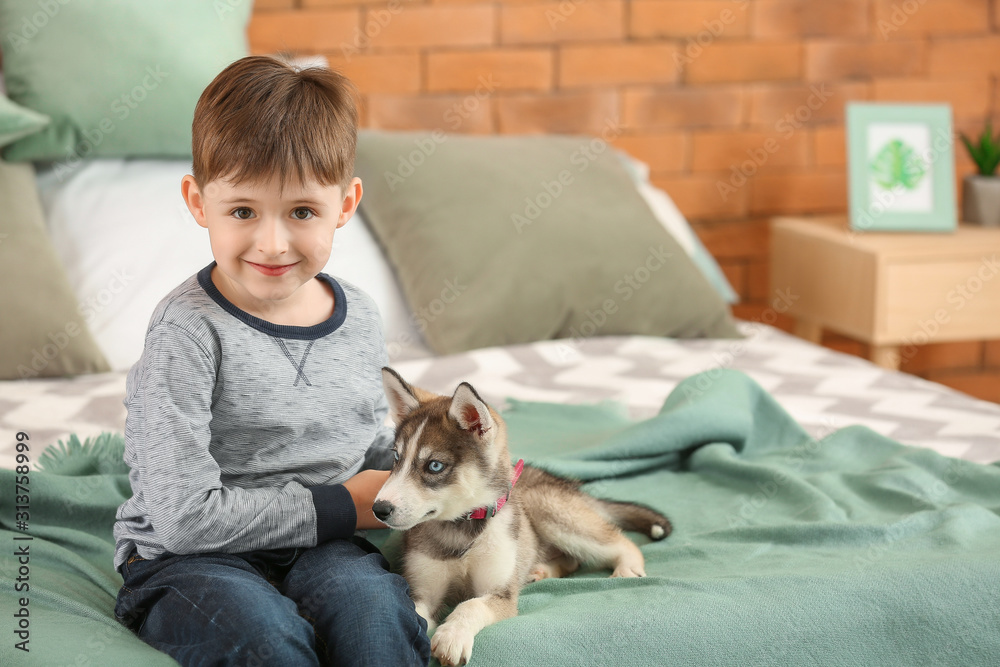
{"type": "Point", "coordinates": [492, 510]}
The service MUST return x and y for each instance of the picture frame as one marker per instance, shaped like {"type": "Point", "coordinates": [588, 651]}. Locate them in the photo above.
{"type": "Point", "coordinates": [901, 167]}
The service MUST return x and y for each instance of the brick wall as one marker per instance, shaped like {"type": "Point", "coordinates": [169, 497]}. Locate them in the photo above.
{"type": "Point", "coordinates": [699, 89]}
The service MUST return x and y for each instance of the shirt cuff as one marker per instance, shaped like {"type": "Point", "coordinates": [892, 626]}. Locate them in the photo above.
{"type": "Point", "coordinates": [336, 517]}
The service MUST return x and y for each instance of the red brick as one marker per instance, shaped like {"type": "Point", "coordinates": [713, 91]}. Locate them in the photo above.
{"type": "Point", "coordinates": [970, 55]}
{"type": "Point", "coordinates": [698, 198]}
{"type": "Point", "coordinates": [941, 356]}
{"type": "Point", "coordinates": [617, 64]}
{"type": "Point", "coordinates": [270, 5]}
{"type": "Point", "coordinates": [744, 61]}
{"type": "Point", "coordinates": [592, 112]}
{"type": "Point", "coordinates": [303, 32]}
{"type": "Point", "coordinates": [815, 191]}
{"type": "Point", "coordinates": [688, 18]}
{"type": "Point", "coordinates": [661, 151]}
{"type": "Point", "coordinates": [808, 18]}
{"type": "Point", "coordinates": [556, 22]}
{"type": "Point", "coordinates": [380, 73]}
{"type": "Point", "coordinates": [992, 354]}
{"type": "Point", "coordinates": [759, 281]}
{"type": "Point", "coordinates": [448, 113]}
{"type": "Point", "coordinates": [830, 146]}
{"type": "Point", "coordinates": [719, 150]}
{"type": "Point", "coordinates": [984, 385]}
{"type": "Point", "coordinates": [968, 97]}
{"type": "Point", "coordinates": [846, 345]}
{"type": "Point", "coordinates": [762, 314]}
{"type": "Point", "coordinates": [789, 107]}
{"type": "Point", "coordinates": [736, 240]}
{"type": "Point", "coordinates": [503, 69]}
{"type": "Point", "coordinates": [311, 4]}
{"type": "Point", "coordinates": [436, 26]}
{"type": "Point", "coordinates": [830, 60]}
{"type": "Point", "coordinates": [720, 106]}
{"type": "Point", "coordinates": [384, 4]}
{"type": "Point", "coordinates": [894, 18]}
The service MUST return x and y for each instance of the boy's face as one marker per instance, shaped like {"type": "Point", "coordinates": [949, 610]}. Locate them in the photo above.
{"type": "Point", "coordinates": [267, 247]}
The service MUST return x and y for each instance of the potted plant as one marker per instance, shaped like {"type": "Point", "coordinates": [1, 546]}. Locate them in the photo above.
{"type": "Point", "coordinates": [981, 192]}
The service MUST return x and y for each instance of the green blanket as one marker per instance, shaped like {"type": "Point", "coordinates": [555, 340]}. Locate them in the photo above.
{"type": "Point", "coordinates": [851, 550]}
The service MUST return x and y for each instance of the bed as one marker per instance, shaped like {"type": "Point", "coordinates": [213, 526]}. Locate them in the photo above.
{"type": "Point", "coordinates": [914, 583]}
{"type": "Point", "coordinates": [826, 511]}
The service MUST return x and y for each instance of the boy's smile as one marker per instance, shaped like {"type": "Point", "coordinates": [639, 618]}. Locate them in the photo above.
{"type": "Point", "coordinates": [269, 246]}
{"type": "Point", "coordinates": [275, 270]}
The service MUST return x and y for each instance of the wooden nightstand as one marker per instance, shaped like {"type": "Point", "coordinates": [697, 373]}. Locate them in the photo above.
{"type": "Point", "coordinates": [890, 290]}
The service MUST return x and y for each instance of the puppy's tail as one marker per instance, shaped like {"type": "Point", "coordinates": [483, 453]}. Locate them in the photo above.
{"type": "Point", "coordinates": [633, 516]}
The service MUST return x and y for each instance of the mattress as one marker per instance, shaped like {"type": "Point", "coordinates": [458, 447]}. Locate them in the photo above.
{"type": "Point", "coordinates": [823, 390]}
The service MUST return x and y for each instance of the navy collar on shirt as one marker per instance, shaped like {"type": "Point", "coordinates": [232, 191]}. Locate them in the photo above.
{"type": "Point", "coordinates": [280, 330]}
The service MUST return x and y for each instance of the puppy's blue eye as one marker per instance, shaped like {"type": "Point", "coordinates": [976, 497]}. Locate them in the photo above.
{"type": "Point", "coordinates": [435, 467]}
{"type": "Point", "coordinates": [395, 454]}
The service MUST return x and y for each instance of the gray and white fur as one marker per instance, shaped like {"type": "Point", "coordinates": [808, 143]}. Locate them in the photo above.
{"type": "Point", "coordinates": [452, 458]}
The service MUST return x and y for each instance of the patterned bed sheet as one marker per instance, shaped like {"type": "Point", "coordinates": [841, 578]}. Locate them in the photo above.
{"type": "Point", "coordinates": [822, 389]}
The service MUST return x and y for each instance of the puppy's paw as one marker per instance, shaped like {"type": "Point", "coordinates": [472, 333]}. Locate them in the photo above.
{"type": "Point", "coordinates": [541, 571]}
{"type": "Point", "coordinates": [629, 571]}
{"type": "Point", "coordinates": [452, 645]}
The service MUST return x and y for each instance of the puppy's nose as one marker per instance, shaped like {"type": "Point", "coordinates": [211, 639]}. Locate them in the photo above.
{"type": "Point", "coordinates": [382, 509]}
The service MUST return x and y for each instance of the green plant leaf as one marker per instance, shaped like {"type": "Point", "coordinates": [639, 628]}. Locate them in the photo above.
{"type": "Point", "coordinates": [897, 165]}
{"type": "Point", "coordinates": [986, 152]}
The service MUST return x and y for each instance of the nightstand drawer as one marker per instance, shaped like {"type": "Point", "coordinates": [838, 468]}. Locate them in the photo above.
{"type": "Point", "coordinates": [959, 299]}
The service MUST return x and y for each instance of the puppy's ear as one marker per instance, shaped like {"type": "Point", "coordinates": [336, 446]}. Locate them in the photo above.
{"type": "Point", "coordinates": [402, 400]}
{"type": "Point", "coordinates": [470, 411]}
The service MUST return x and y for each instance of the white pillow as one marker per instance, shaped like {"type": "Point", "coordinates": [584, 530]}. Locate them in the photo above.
{"type": "Point", "coordinates": [126, 239]}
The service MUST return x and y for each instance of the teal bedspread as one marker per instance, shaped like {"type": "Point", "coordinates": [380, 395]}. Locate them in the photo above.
{"type": "Point", "coordinates": [849, 550]}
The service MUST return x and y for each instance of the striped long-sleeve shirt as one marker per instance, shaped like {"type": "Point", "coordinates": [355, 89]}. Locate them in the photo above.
{"type": "Point", "coordinates": [239, 432]}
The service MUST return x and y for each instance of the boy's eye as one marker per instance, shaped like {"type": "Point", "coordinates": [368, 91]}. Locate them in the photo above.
{"type": "Point", "coordinates": [238, 213]}
{"type": "Point", "coordinates": [306, 214]}
{"type": "Point", "coordinates": [435, 467]}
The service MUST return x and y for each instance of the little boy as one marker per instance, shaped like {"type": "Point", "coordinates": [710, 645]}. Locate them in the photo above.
{"type": "Point", "coordinates": [255, 432]}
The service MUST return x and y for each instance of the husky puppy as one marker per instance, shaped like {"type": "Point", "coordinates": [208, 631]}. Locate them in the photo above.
{"type": "Point", "coordinates": [477, 528]}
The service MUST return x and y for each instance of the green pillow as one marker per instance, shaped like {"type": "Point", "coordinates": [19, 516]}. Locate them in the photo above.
{"type": "Point", "coordinates": [118, 78]}
{"type": "Point", "coordinates": [509, 239]}
{"type": "Point", "coordinates": [17, 122]}
{"type": "Point", "coordinates": [43, 334]}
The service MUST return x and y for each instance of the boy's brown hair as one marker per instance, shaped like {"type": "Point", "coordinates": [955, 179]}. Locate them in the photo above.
{"type": "Point", "coordinates": [261, 117]}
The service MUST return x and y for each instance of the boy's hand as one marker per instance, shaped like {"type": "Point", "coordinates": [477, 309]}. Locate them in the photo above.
{"type": "Point", "coordinates": [363, 488]}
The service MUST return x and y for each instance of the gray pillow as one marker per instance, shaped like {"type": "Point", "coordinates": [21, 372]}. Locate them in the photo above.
{"type": "Point", "coordinates": [43, 333]}
{"type": "Point", "coordinates": [499, 240]}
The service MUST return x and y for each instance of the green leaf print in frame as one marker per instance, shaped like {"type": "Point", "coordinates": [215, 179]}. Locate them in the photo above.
{"type": "Point", "coordinates": [901, 167]}
{"type": "Point", "coordinates": [897, 165]}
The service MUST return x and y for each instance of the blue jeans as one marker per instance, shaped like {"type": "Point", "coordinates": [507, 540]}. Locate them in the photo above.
{"type": "Point", "coordinates": [335, 603]}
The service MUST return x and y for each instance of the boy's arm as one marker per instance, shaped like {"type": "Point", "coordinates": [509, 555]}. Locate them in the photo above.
{"type": "Point", "coordinates": [189, 507]}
